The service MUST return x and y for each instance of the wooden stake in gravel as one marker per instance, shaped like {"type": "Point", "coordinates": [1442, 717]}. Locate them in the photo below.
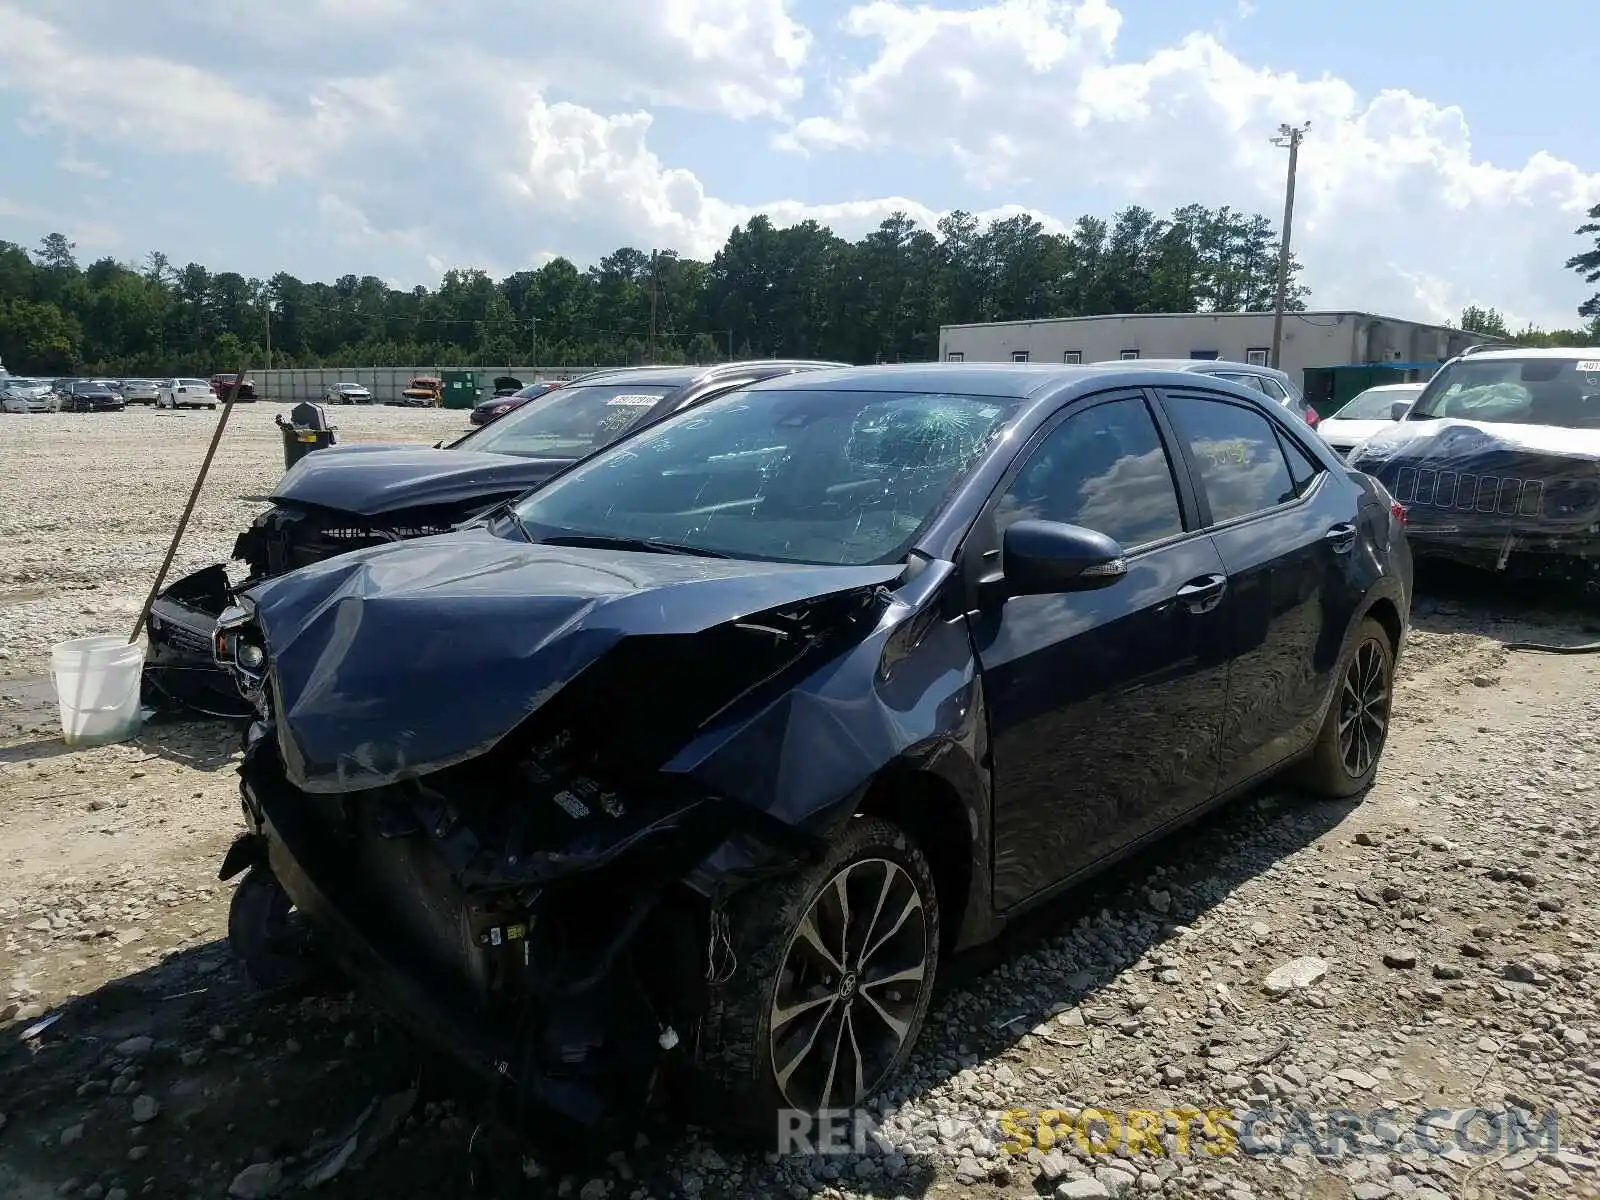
{"type": "Point", "coordinates": [188, 509]}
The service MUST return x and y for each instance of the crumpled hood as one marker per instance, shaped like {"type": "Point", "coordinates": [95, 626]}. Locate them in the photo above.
{"type": "Point", "coordinates": [371, 480]}
{"type": "Point", "coordinates": [1448, 436]}
{"type": "Point", "coordinates": [1475, 484]}
{"type": "Point", "coordinates": [400, 660]}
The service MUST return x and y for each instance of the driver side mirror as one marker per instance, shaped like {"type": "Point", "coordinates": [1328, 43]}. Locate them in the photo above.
{"type": "Point", "coordinates": [1042, 558]}
{"type": "Point", "coordinates": [1399, 409]}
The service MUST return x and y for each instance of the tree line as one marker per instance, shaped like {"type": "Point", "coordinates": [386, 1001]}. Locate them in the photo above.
{"type": "Point", "coordinates": [800, 291]}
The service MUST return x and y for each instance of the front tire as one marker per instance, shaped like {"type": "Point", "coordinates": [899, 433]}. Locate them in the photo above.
{"type": "Point", "coordinates": [267, 934]}
{"type": "Point", "coordinates": [837, 970]}
{"type": "Point", "coordinates": [1350, 744]}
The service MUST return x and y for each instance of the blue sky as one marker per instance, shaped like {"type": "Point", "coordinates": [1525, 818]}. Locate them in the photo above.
{"type": "Point", "coordinates": [1450, 156]}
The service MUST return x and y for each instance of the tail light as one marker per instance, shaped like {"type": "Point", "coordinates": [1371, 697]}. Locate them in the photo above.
{"type": "Point", "coordinates": [1311, 416]}
{"type": "Point", "coordinates": [1399, 512]}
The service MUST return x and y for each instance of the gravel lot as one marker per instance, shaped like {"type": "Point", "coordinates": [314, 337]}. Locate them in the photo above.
{"type": "Point", "coordinates": [1433, 947]}
{"type": "Point", "coordinates": [89, 501]}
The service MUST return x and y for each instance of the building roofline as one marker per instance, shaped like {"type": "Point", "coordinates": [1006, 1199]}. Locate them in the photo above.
{"type": "Point", "coordinates": [1318, 312]}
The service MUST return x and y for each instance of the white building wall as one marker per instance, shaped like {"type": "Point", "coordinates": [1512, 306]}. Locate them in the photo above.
{"type": "Point", "coordinates": [1310, 339]}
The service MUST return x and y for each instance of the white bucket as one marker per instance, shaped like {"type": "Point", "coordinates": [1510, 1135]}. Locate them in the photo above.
{"type": "Point", "coordinates": [97, 683]}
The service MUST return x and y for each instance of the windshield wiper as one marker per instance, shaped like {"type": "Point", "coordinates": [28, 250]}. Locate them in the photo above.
{"type": "Point", "coordinates": [506, 510]}
{"type": "Point", "coordinates": [600, 541]}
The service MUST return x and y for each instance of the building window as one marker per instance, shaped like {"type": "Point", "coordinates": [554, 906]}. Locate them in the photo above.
{"type": "Point", "coordinates": [955, 356]}
{"type": "Point", "coordinates": [1129, 355]}
{"type": "Point", "coordinates": [1256, 357]}
{"type": "Point", "coordinates": [1203, 355]}
{"type": "Point", "coordinates": [1072, 357]}
{"type": "Point", "coordinates": [1019, 356]}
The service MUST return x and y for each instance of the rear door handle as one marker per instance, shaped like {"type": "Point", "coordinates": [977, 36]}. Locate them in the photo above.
{"type": "Point", "coordinates": [1203, 594]}
{"type": "Point", "coordinates": [1342, 538]}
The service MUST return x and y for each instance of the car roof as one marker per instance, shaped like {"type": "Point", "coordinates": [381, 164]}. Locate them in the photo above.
{"type": "Point", "coordinates": [1394, 387]}
{"type": "Point", "coordinates": [1579, 353]}
{"type": "Point", "coordinates": [1018, 381]}
{"type": "Point", "coordinates": [1001, 380]}
{"type": "Point", "coordinates": [1185, 364]}
{"type": "Point", "coordinates": [682, 376]}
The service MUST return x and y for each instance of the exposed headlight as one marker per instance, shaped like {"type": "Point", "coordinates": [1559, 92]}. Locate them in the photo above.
{"type": "Point", "coordinates": [233, 647]}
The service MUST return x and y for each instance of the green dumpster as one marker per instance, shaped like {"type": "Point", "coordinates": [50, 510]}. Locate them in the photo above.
{"type": "Point", "coordinates": [460, 389]}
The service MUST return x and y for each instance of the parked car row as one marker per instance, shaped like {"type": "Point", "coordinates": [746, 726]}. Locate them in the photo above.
{"type": "Point", "coordinates": [688, 720]}
{"type": "Point", "coordinates": [20, 395]}
{"type": "Point", "coordinates": [423, 391]}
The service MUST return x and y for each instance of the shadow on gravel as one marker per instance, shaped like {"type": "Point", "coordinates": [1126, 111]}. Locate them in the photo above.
{"type": "Point", "coordinates": [1456, 599]}
{"type": "Point", "coordinates": [203, 743]}
{"type": "Point", "coordinates": [238, 1078]}
{"type": "Point", "coordinates": [241, 1077]}
{"type": "Point", "coordinates": [34, 751]}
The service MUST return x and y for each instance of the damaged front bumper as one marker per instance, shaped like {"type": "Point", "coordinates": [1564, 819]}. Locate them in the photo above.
{"type": "Point", "coordinates": [557, 957]}
{"type": "Point", "coordinates": [181, 666]}
{"type": "Point", "coordinates": [1525, 512]}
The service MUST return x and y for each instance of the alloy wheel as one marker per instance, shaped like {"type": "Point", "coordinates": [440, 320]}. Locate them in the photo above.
{"type": "Point", "coordinates": [1363, 709]}
{"type": "Point", "coordinates": [849, 989]}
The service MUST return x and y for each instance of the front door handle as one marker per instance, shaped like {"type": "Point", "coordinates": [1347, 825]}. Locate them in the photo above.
{"type": "Point", "coordinates": [1342, 538]}
{"type": "Point", "coordinates": [1203, 594]}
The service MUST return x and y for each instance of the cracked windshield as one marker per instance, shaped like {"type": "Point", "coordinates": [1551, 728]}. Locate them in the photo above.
{"type": "Point", "coordinates": [797, 476]}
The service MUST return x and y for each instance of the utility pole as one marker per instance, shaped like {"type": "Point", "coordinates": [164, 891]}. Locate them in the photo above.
{"type": "Point", "coordinates": [266, 320]}
{"type": "Point", "coordinates": [652, 308]}
{"type": "Point", "coordinates": [1290, 136]}
{"type": "Point", "coordinates": [533, 341]}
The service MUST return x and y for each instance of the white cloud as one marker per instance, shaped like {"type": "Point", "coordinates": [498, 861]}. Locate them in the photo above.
{"type": "Point", "coordinates": [425, 132]}
{"type": "Point", "coordinates": [581, 161]}
{"type": "Point", "coordinates": [73, 165]}
{"type": "Point", "coordinates": [173, 107]}
{"type": "Point", "coordinates": [738, 58]}
{"type": "Point", "coordinates": [94, 236]}
{"type": "Point", "coordinates": [1393, 211]}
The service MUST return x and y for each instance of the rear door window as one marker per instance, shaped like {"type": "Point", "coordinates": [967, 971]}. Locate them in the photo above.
{"type": "Point", "coordinates": [1236, 454]}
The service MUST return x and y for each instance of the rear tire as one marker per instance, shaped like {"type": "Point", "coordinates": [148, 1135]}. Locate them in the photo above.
{"type": "Point", "coordinates": [791, 1030]}
{"type": "Point", "coordinates": [1350, 744]}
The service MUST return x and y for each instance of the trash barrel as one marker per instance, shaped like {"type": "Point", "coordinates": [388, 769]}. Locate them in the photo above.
{"type": "Point", "coordinates": [307, 429]}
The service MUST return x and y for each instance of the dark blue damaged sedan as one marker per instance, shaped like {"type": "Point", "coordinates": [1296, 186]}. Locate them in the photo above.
{"type": "Point", "coordinates": [707, 753]}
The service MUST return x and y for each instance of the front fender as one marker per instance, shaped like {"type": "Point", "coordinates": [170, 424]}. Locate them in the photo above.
{"type": "Point", "coordinates": [248, 850]}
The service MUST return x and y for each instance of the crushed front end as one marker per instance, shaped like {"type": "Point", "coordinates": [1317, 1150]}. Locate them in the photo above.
{"type": "Point", "coordinates": [549, 911]}
{"type": "Point", "coordinates": [1522, 500]}
{"type": "Point", "coordinates": [530, 924]}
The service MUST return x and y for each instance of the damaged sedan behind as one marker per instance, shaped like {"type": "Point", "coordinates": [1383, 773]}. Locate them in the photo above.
{"type": "Point", "coordinates": [345, 497]}
{"type": "Point", "coordinates": [700, 759]}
